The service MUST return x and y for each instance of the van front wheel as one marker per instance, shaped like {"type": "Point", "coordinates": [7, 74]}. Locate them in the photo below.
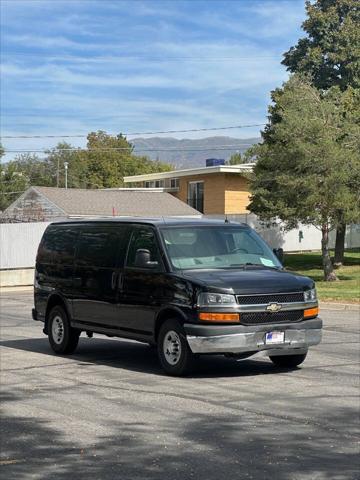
{"type": "Point", "coordinates": [62, 337]}
{"type": "Point", "coordinates": [173, 350]}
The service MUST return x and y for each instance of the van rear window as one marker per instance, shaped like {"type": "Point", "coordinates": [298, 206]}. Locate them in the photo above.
{"type": "Point", "coordinates": [58, 245]}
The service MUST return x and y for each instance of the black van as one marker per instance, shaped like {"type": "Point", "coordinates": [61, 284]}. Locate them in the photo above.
{"type": "Point", "coordinates": [187, 286]}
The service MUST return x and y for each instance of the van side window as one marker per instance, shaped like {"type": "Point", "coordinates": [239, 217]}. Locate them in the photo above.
{"type": "Point", "coordinates": [98, 247]}
{"type": "Point", "coordinates": [58, 245]}
{"type": "Point", "coordinates": [144, 238]}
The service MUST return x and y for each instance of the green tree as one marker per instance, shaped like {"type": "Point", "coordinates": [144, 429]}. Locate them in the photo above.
{"type": "Point", "coordinates": [103, 164]}
{"type": "Point", "coordinates": [235, 159]}
{"type": "Point", "coordinates": [22, 172]}
{"type": "Point", "coordinates": [77, 166]}
{"type": "Point", "coordinates": [35, 169]}
{"type": "Point", "coordinates": [12, 183]}
{"type": "Point", "coordinates": [109, 158]}
{"type": "Point", "coordinates": [331, 50]}
{"type": "Point", "coordinates": [18, 174]}
{"type": "Point", "coordinates": [27, 170]}
{"type": "Point", "coordinates": [105, 158]}
{"type": "Point", "coordinates": [305, 162]}
{"type": "Point", "coordinates": [330, 53]}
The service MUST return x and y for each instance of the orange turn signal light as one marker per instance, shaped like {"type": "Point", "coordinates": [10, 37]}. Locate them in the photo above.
{"type": "Point", "coordinates": [219, 317]}
{"type": "Point", "coordinates": [311, 312]}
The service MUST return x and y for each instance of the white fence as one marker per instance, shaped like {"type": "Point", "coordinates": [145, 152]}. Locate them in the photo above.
{"type": "Point", "coordinates": [304, 238]}
{"type": "Point", "coordinates": [19, 241]}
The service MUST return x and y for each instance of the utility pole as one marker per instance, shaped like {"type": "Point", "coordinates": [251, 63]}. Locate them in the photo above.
{"type": "Point", "coordinates": [58, 172]}
{"type": "Point", "coordinates": [66, 164]}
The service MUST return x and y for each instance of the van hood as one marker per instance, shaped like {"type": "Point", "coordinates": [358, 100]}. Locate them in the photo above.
{"type": "Point", "coordinates": [249, 280]}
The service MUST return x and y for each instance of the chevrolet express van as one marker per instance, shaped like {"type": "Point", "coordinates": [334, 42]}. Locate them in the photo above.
{"type": "Point", "coordinates": [188, 287]}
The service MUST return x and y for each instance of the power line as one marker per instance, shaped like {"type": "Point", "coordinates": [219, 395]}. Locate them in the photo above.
{"type": "Point", "coordinates": [161, 58]}
{"type": "Point", "coordinates": [141, 133]}
{"type": "Point", "coordinates": [115, 149]}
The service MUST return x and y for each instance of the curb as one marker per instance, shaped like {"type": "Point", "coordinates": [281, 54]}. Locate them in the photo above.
{"type": "Point", "coordinates": [339, 306]}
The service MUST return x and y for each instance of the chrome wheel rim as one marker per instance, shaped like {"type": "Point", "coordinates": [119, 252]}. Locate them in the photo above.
{"type": "Point", "coordinates": [57, 329]}
{"type": "Point", "coordinates": [172, 347]}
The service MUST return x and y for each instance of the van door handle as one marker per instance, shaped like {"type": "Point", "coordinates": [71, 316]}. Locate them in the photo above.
{"type": "Point", "coordinates": [121, 281]}
{"type": "Point", "coordinates": [116, 281]}
{"type": "Point", "coordinates": [113, 280]}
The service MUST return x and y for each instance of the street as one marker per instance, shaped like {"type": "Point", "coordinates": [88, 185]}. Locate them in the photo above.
{"type": "Point", "coordinates": [109, 412]}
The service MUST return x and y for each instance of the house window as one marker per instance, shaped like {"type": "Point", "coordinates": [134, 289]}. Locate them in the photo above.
{"type": "Point", "coordinates": [174, 183]}
{"type": "Point", "coordinates": [149, 184]}
{"type": "Point", "coordinates": [159, 183]}
{"type": "Point", "coordinates": [196, 195]}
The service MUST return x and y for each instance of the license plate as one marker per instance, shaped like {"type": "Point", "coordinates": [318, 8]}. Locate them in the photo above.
{"type": "Point", "coordinates": [274, 337]}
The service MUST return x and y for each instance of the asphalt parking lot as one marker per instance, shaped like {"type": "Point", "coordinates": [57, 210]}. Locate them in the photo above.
{"type": "Point", "coordinates": [108, 411]}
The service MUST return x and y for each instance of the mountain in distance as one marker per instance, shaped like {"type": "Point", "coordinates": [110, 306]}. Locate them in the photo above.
{"type": "Point", "coordinates": [188, 153]}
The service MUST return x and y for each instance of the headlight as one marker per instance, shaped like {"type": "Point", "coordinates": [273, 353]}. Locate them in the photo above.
{"type": "Point", "coordinates": [216, 299]}
{"type": "Point", "coordinates": [310, 295]}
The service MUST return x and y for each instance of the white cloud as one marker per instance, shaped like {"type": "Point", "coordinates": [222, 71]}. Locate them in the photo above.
{"type": "Point", "coordinates": [49, 41]}
{"type": "Point", "coordinates": [138, 66]}
{"type": "Point", "coordinates": [217, 66]}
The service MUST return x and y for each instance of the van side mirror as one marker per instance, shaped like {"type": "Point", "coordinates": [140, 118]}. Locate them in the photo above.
{"type": "Point", "coordinates": [143, 259]}
{"type": "Point", "coordinates": [279, 252]}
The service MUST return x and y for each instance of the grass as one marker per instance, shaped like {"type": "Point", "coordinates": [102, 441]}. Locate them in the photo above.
{"type": "Point", "coordinates": [346, 290]}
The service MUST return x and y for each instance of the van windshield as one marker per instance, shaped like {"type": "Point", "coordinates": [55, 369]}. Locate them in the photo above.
{"type": "Point", "coordinates": [211, 247]}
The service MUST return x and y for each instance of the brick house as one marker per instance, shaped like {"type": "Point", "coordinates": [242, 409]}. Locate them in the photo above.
{"type": "Point", "coordinates": [221, 189]}
{"type": "Point", "coordinates": [45, 204]}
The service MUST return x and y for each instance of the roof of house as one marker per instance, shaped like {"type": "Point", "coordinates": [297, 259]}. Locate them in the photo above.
{"type": "Point", "coordinates": [82, 202]}
{"type": "Point", "coordinates": [241, 168]}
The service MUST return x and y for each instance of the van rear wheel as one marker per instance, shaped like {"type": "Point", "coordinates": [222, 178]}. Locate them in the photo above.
{"type": "Point", "coordinates": [62, 337]}
{"type": "Point", "coordinates": [174, 352]}
{"type": "Point", "coordinates": [288, 361]}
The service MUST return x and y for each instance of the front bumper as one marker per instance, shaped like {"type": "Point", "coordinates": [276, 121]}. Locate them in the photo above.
{"type": "Point", "coordinates": [240, 339]}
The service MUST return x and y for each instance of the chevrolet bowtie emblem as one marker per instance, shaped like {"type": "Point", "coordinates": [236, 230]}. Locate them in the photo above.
{"type": "Point", "coordinates": [273, 307]}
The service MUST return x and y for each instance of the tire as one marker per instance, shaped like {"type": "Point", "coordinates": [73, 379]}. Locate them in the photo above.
{"type": "Point", "coordinates": [288, 361]}
{"type": "Point", "coordinates": [62, 337]}
{"type": "Point", "coordinates": [174, 352]}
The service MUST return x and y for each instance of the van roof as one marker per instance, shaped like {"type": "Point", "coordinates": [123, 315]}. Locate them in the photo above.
{"type": "Point", "coordinates": [158, 221]}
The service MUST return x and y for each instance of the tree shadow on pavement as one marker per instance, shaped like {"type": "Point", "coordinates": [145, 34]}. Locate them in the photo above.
{"type": "Point", "coordinates": [206, 446]}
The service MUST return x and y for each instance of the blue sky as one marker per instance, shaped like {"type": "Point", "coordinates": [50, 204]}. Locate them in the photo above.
{"type": "Point", "coordinates": [70, 67]}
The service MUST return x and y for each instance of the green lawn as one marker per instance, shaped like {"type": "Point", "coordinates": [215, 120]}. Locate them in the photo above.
{"type": "Point", "coordinates": [346, 290]}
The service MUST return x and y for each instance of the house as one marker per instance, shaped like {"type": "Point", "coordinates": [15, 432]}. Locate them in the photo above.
{"type": "Point", "coordinates": [218, 189]}
{"type": "Point", "coordinates": [44, 204]}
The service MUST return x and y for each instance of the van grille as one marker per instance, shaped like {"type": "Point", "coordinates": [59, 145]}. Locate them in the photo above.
{"type": "Point", "coordinates": [254, 318]}
{"type": "Point", "coordinates": [272, 298]}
